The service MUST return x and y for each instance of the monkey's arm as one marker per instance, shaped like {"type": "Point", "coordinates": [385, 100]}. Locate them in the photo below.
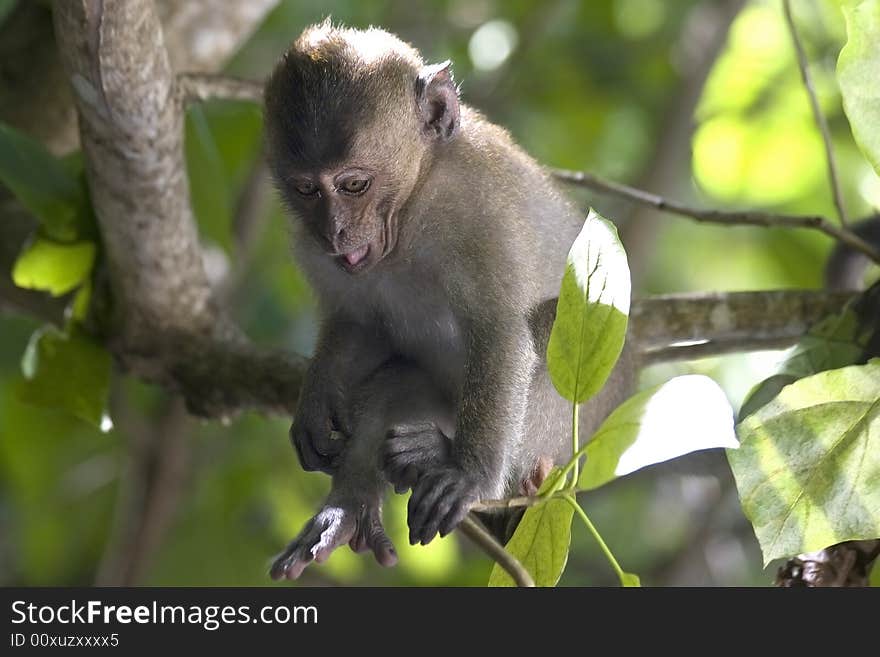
{"type": "Point", "coordinates": [492, 408]}
{"type": "Point", "coordinates": [346, 354]}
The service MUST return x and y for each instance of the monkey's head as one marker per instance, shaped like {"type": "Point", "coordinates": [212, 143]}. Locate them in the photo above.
{"type": "Point", "coordinates": [351, 119]}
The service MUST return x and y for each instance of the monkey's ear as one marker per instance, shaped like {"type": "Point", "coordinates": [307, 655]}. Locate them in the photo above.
{"type": "Point", "coordinates": [437, 98]}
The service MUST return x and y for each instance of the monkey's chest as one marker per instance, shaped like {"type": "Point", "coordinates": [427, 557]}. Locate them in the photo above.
{"type": "Point", "coordinates": [421, 325]}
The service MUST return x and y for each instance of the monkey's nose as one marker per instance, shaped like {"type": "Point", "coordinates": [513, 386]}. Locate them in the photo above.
{"type": "Point", "coordinates": [337, 231]}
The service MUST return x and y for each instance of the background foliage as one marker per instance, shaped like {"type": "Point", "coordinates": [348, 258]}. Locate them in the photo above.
{"type": "Point", "coordinates": [605, 86]}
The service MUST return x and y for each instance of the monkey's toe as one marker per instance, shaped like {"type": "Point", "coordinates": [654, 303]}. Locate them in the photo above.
{"type": "Point", "coordinates": [370, 535]}
{"type": "Point", "coordinates": [439, 501]}
{"type": "Point", "coordinates": [412, 450]}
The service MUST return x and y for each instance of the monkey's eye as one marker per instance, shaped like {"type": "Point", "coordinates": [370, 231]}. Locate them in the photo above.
{"type": "Point", "coordinates": [305, 188]}
{"type": "Point", "coordinates": [355, 185]}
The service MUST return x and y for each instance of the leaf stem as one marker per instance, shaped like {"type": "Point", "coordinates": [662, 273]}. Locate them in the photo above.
{"type": "Point", "coordinates": [574, 445]}
{"type": "Point", "coordinates": [577, 509]}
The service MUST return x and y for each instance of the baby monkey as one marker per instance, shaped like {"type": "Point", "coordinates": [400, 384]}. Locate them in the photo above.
{"type": "Point", "coordinates": [435, 247]}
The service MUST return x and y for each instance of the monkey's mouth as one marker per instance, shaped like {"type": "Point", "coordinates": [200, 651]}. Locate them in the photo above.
{"type": "Point", "coordinates": [356, 260]}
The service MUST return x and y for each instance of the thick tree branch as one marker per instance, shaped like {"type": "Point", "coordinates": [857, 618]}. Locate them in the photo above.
{"type": "Point", "coordinates": [725, 217]}
{"type": "Point", "coordinates": [821, 123]}
{"type": "Point", "coordinates": [674, 327]}
{"type": "Point", "coordinates": [132, 137]}
{"type": "Point", "coordinates": [165, 325]}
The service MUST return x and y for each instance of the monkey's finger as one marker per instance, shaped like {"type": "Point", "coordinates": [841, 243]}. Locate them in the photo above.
{"type": "Point", "coordinates": [438, 515]}
{"type": "Point", "coordinates": [421, 516]}
{"type": "Point", "coordinates": [407, 479]}
{"type": "Point", "coordinates": [455, 515]}
{"type": "Point", "coordinates": [297, 566]}
{"type": "Point", "coordinates": [309, 458]}
{"type": "Point", "coordinates": [282, 561]}
{"type": "Point", "coordinates": [291, 563]}
{"type": "Point", "coordinates": [279, 567]}
{"type": "Point", "coordinates": [420, 490]}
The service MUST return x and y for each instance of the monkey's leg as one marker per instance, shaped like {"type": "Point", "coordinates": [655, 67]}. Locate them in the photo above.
{"type": "Point", "coordinates": [397, 395]}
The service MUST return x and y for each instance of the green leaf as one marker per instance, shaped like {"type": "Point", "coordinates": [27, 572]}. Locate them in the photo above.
{"type": "Point", "coordinates": [44, 185]}
{"type": "Point", "coordinates": [591, 315]}
{"type": "Point", "coordinates": [541, 543]}
{"type": "Point", "coordinates": [53, 267]}
{"type": "Point", "coordinates": [857, 76]}
{"type": "Point", "coordinates": [808, 467]}
{"type": "Point", "coordinates": [541, 540]}
{"type": "Point", "coordinates": [67, 372]}
{"type": "Point", "coordinates": [683, 415]}
{"type": "Point", "coordinates": [763, 393]}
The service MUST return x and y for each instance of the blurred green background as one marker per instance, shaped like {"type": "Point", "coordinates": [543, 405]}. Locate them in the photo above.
{"type": "Point", "coordinates": [656, 93]}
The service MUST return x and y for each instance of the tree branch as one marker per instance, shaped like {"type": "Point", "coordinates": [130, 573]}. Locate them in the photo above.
{"type": "Point", "coordinates": [845, 564]}
{"type": "Point", "coordinates": [165, 325]}
{"type": "Point", "coordinates": [729, 218]}
{"type": "Point", "coordinates": [821, 123]}
{"type": "Point", "coordinates": [680, 326]}
{"type": "Point", "coordinates": [199, 87]}
{"type": "Point", "coordinates": [471, 528]}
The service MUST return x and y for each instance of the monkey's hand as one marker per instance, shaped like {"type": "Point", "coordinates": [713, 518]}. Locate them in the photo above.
{"type": "Point", "coordinates": [440, 500]}
{"type": "Point", "coordinates": [318, 431]}
{"type": "Point", "coordinates": [358, 524]}
{"type": "Point", "coordinates": [413, 450]}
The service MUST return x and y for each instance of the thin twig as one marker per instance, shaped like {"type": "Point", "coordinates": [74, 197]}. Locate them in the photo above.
{"type": "Point", "coordinates": [725, 217]}
{"type": "Point", "coordinates": [511, 502]}
{"type": "Point", "coordinates": [821, 123]}
{"type": "Point", "coordinates": [199, 87]}
{"type": "Point", "coordinates": [474, 531]}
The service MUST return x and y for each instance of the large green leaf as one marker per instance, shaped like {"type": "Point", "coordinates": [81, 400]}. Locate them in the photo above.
{"type": "Point", "coordinates": [53, 267]}
{"type": "Point", "coordinates": [857, 75]}
{"type": "Point", "coordinates": [683, 415]}
{"type": "Point", "coordinates": [592, 312]}
{"type": "Point", "coordinates": [43, 185]}
{"type": "Point", "coordinates": [540, 542]}
{"type": "Point", "coordinates": [808, 468]}
{"type": "Point", "coordinates": [68, 372]}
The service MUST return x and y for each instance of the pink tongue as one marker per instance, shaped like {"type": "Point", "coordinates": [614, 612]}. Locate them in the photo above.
{"type": "Point", "coordinates": [356, 256]}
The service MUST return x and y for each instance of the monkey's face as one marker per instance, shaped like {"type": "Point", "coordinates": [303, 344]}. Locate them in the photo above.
{"type": "Point", "coordinates": [349, 118]}
{"type": "Point", "coordinates": [349, 210]}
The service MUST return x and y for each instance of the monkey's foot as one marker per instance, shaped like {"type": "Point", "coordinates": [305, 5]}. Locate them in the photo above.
{"type": "Point", "coordinates": [440, 500]}
{"type": "Point", "coordinates": [413, 450]}
{"type": "Point", "coordinates": [359, 526]}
